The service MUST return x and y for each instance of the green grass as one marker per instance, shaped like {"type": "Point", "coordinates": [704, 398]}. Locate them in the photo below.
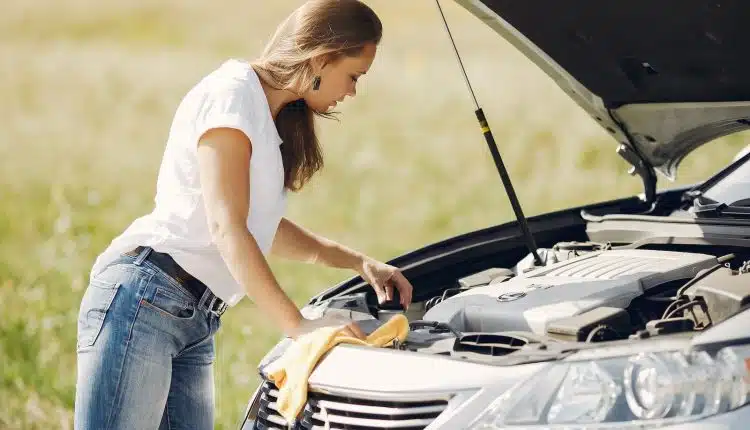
{"type": "Point", "coordinates": [89, 89]}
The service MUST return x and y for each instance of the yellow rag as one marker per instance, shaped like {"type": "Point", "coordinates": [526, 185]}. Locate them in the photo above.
{"type": "Point", "coordinates": [291, 371]}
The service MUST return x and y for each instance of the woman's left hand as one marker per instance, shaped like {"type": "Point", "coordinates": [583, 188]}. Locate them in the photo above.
{"type": "Point", "coordinates": [384, 278]}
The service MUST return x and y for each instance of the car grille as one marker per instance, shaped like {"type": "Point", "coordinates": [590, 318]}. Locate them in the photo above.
{"type": "Point", "coordinates": [326, 411]}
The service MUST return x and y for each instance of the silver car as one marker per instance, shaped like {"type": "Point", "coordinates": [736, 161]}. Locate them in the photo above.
{"type": "Point", "coordinates": [621, 314]}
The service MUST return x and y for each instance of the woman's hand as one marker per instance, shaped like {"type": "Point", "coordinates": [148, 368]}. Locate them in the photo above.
{"type": "Point", "coordinates": [295, 242]}
{"type": "Point", "coordinates": [384, 278]}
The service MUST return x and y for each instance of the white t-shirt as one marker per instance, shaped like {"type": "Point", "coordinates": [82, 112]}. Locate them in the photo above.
{"type": "Point", "coordinates": [229, 96]}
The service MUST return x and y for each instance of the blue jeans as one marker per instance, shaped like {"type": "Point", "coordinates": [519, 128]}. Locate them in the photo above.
{"type": "Point", "coordinates": [145, 352]}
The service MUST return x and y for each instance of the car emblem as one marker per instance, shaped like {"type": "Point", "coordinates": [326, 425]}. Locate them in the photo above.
{"type": "Point", "coordinates": [509, 297]}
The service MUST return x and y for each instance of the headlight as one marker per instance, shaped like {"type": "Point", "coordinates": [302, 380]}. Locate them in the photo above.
{"type": "Point", "coordinates": [644, 391]}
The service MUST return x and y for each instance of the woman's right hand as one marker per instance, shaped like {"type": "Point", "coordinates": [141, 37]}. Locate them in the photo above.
{"type": "Point", "coordinates": [348, 326]}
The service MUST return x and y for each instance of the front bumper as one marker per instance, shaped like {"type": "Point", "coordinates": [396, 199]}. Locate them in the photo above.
{"type": "Point", "coordinates": [366, 388]}
{"type": "Point", "coordinates": [384, 388]}
{"type": "Point", "coordinates": [459, 419]}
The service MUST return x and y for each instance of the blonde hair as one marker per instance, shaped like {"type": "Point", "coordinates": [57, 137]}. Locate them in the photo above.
{"type": "Point", "coordinates": [326, 29]}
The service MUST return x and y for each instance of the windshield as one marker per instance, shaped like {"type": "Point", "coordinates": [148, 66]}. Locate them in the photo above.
{"type": "Point", "coordinates": [735, 186]}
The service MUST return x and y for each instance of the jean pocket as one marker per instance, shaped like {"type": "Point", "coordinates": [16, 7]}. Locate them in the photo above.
{"type": "Point", "coordinates": [169, 304]}
{"type": "Point", "coordinates": [95, 304]}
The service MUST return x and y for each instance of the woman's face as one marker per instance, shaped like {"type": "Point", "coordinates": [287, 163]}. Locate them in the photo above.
{"type": "Point", "coordinates": [338, 79]}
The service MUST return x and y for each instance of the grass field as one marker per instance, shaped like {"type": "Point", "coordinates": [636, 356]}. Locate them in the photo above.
{"type": "Point", "coordinates": [89, 88]}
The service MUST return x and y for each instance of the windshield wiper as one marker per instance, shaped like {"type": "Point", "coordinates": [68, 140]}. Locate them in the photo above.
{"type": "Point", "coordinates": [739, 209]}
{"type": "Point", "coordinates": [702, 187]}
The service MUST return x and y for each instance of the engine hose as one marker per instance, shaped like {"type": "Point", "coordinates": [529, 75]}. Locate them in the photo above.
{"type": "Point", "coordinates": [683, 307]}
{"type": "Point", "coordinates": [702, 274]}
{"type": "Point", "coordinates": [429, 304]}
{"type": "Point", "coordinates": [668, 310]}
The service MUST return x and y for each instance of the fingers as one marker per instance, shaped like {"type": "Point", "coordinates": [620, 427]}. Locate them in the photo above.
{"type": "Point", "coordinates": [358, 333]}
{"type": "Point", "coordinates": [384, 286]}
{"type": "Point", "coordinates": [384, 292]}
{"type": "Point", "coordinates": [405, 289]}
{"type": "Point", "coordinates": [380, 292]}
{"type": "Point", "coordinates": [353, 330]}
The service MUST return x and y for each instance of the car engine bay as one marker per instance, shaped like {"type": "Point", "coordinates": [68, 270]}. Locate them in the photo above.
{"type": "Point", "coordinates": [584, 293]}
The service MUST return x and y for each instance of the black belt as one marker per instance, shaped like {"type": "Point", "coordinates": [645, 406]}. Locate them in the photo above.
{"type": "Point", "coordinates": [195, 287]}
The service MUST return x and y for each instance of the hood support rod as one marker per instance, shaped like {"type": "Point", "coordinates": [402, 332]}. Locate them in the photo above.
{"type": "Point", "coordinates": [530, 243]}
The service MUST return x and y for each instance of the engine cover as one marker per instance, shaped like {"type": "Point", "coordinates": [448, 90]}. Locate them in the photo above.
{"type": "Point", "coordinates": [528, 302]}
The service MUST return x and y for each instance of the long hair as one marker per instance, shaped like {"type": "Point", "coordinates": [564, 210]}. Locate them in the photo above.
{"type": "Point", "coordinates": [327, 28]}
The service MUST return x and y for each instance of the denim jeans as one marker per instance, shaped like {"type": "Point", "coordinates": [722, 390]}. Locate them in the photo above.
{"type": "Point", "coordinates": [145, 352]}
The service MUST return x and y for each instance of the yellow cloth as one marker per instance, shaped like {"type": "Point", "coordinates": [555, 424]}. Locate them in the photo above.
{"type": "Point", "coordinates": [291, 371]}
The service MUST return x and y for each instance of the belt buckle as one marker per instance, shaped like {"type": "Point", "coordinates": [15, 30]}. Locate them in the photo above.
{"type": "Point", "coordinates": [220, 309]}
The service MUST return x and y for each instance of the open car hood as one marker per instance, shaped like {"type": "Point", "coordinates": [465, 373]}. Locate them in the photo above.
{"type": "Point", "coordinates": [662, 77]}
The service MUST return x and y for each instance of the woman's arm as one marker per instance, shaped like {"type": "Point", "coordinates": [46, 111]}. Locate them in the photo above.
{"type": "Point", "coordinates": [224, 163]}
{"type": "Point", "coordinates": [294, 242]}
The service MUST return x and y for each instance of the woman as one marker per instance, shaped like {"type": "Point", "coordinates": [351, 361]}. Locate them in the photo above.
{"type": "Point", "coordinates": [240, 139]}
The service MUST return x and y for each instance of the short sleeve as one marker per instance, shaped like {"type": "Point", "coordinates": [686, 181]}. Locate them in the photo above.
{"type": "Point", "coordinates": [226, 104]}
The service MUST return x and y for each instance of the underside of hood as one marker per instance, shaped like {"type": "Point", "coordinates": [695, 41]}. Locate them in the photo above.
{"type": "Point", "coordinates": [663, 77]}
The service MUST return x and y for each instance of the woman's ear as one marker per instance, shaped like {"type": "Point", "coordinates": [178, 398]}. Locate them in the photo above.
{"type": "Point", "coordinates": [318, 64]}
